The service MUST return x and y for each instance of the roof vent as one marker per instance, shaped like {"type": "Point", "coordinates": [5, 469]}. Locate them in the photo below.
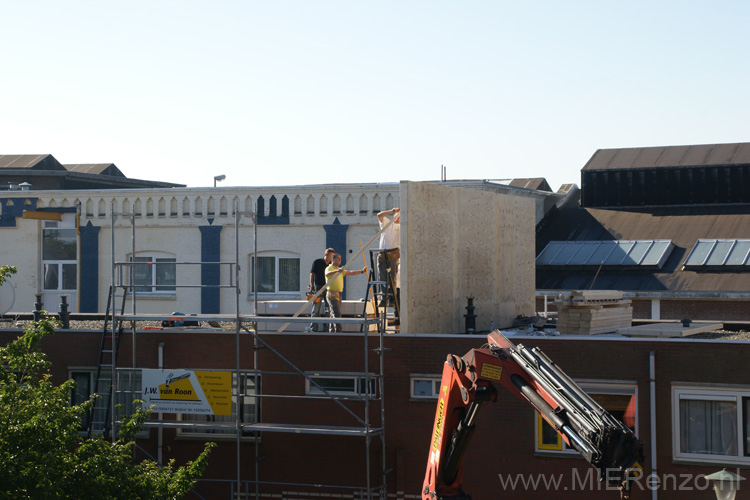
{"type": "Point", "coordinates": [25, 186]}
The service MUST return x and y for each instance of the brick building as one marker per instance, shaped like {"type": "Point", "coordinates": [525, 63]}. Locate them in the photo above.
{"type": "Point", "coordinates": [319, 455]}
{"type": "Point", "coordinates": [297, 444]}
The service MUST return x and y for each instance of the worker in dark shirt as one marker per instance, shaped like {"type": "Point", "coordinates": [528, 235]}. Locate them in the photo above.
{"type": "Point", "coordinates": [318, 281]}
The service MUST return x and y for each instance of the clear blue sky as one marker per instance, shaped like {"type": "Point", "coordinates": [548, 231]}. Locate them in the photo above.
{"type": "Point", "coordinates": [282, 92]}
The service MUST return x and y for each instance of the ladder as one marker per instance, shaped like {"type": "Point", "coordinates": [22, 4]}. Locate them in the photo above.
{"type": "Point", "coordinates": [100, 412]}
{"type": "Point", "coordinates": [380, 292]}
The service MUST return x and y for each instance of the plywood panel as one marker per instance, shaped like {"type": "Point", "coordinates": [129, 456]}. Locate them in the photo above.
{"type": "Point", "coordinates": [459, 243]}
{"type": "Point", "coordinates": [428, 252]}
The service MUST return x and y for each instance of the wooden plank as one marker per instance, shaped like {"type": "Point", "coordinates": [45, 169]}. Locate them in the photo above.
{"type": "Point", "coordinates": [596, 294]}
{"type": "Point", "coordinates": [590, 319]}
{"type": "Point", "coordinates": [667, 330]}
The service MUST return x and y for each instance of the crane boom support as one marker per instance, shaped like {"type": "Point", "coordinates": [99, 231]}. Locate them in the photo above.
{"type": "Point", "coordinates": [468, 382]}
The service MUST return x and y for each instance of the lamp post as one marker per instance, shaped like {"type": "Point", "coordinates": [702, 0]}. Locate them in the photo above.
{"type": "Point", "coordinates": [726, 484]}
{"type": "Point", "coordinates": [219, 178]}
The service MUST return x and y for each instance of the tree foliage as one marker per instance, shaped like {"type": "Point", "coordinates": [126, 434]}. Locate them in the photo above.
{"type": "Point", "coordinates": [43, 456]}
{"type": "Point", "coordinates": [5, 272]}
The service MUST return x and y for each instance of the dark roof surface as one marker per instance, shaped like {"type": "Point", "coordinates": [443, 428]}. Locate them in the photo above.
{"type": "Point", "coordinates": [683, 225]}
{"type": "Point", "coordinates": [670, 156]}
{"type": "Point", "coordinates": [538, 183]}
{"type": "Point", "coordinates": [96, 168]}
{"type": "Point", "coordinates": [45, 172]}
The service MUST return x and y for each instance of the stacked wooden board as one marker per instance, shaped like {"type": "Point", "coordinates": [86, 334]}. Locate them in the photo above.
{"type": "Point", "coordinates": [672, 329]}
{"type": "Point", "coordinates": [589, 312]}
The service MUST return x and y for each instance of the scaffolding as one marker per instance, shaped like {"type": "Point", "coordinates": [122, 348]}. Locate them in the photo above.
{"type": "Point", "coordinates": [123, 278]}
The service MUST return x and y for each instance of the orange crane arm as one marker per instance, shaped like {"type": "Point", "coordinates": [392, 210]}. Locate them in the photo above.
{"type": "Point", "coordinates": [468, 383]}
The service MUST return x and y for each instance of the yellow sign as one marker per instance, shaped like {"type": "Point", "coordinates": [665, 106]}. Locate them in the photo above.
{"type": "Point", "coordinates": [178, 390]}
{"type": "Point", "coordinates": [491, 371]}
{"type": "Point", "coordinates": [188, 391]}
{"type": "Point", "coordinates": [217, 386]}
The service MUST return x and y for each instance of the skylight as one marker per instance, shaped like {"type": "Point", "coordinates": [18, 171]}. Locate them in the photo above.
{"type": "Point", "coordinates": [652, 253]}
{"type": "Point", "coordinates": [719, 253]}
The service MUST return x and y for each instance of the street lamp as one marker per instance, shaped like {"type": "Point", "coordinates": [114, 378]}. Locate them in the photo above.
{"type": "Point", "coordinates": [219, 178]}
{"type": "Point", "coordinates": [726, 484]}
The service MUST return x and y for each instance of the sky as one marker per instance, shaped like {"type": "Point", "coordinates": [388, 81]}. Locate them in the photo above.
{"type": "Point", "coordinates": [290, 92]}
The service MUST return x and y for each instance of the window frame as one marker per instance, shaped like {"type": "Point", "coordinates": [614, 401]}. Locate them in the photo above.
{"type": "Point", "coordinates": [739, 395]}
{"type": "Point", "coordinates": [155, 259]}
{"type": "Point", "coordinates": [436, 381]}
{"type": "Point", "coordinates": [62, 267]}
{"type": "Point", "coordinates": [625, 388]}
{"type": "Point", "coordinates": [278, 256]}
{"type": "Point", "coordinates": [77, 397]}
{"type": "Point", "coordinates": [121, 398]}
{"type": "Point", "coordinates": [357, 391]}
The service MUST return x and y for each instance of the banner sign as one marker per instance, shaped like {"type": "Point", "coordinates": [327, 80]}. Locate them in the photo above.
{"type": "Point", "coordinates": [188, 391]}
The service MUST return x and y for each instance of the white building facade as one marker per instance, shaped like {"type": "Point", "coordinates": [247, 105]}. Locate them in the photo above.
{"type": "Point", "coordinates": [185, 249]}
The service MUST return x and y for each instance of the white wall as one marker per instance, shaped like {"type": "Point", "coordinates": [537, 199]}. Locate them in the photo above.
{"type": "Point", "coordinates": [168, 220]}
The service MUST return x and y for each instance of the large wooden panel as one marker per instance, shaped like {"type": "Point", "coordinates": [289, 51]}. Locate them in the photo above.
{"type": "Point", "coordinates": [459, 243]}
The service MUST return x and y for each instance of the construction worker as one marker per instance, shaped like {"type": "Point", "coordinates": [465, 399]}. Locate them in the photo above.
{"type": "Point", "coordinates": [335, 281]}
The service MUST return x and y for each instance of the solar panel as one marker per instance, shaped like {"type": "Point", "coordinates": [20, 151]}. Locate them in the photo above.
{"type": "Point", "coordinates": [715, 253]}
{"type": "Point", "coordinates": [620, 256]}
{"type": "Point", "coordinates": [720, 252]}
{"type": "Point", "coordinates": [700, 253]}
{"type": "Point", "coordinates": [550, 252]}
{"type": "Point", "coordinates": [584, 252]}
{"type": "Point", "coordinates": [639, 250]}
{"type": "Point", "coordinates": [608, 252]}
{"type": "Point", "coordinates": [568, 252]}
{"type": "Point", "coordinates": [602, 253]}
{"type": "Point", "coordinates": [738, 256]}
{"type": "Point", "coordinates": [657, 254]}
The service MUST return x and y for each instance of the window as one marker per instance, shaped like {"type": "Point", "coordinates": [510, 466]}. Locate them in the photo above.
{"type": "Point", "coordinates": [272, 206]}
{"type": "Point", "coordinates": [278, 272]}
{"type": "Point", "coordinates": [340, 385]}
{"type": "Point", "coordinates": [249, 410]}
{"type": "Point", "coordinates": [619, 399]}
{"type": "Point", "coordinates": [547, 437]}
{"type": "Point", "coordinates": [59, 256]}
{"type": "Point", "coordinates": [128, 390]}
{"type": "Point", "coordinates": [154, 273]}
{"type": "Point", "coordinates": [81, 392]}
{"type": "Point", "coordinates": [425, 386]}
{"type": "Point", "coordinates": [711, 425]}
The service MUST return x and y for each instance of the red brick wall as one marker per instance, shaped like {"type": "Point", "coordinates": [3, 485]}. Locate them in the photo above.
{"type": "Point", "coordinates": [504, 440]}
{"type": "Point", "coordinates": [715, 310]}
{"type": "Point", "coordinates": [642, 309]}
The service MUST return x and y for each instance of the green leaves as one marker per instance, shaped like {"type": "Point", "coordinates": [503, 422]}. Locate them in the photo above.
{"type": "Point", "coordinates": [43, 456]}
{"type": "Point", "coordinates": [5, 272]}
